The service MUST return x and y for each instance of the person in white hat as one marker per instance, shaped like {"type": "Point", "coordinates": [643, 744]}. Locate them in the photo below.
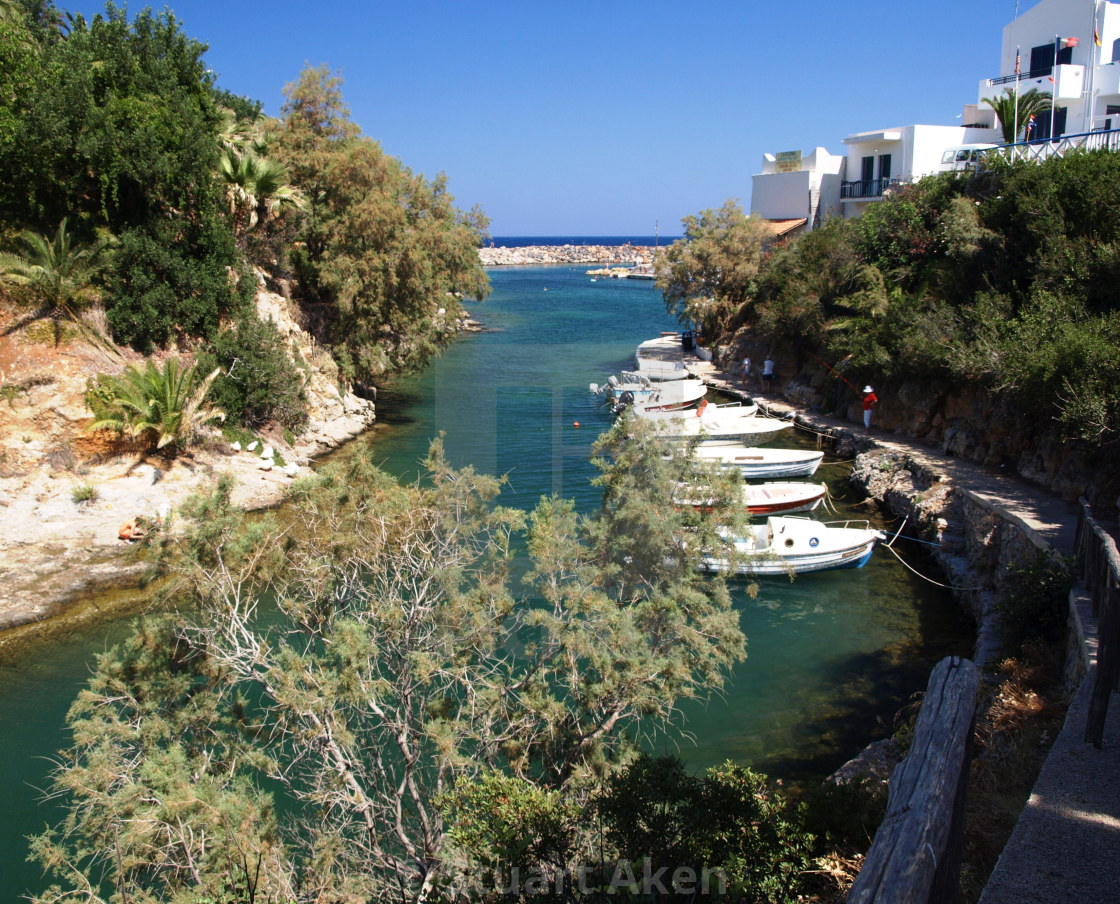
{"type": "Point", "coordinates": [870, 400]}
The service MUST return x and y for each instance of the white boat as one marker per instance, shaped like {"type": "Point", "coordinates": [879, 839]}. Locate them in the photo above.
{"type": "Point", "coordinates": [784, 545]}
{"type": "Point", "coordinates": [760, 464]}
{"type": "Point", "coordinates": [634, 389]}
{"type": "Point", "coordinates": [763, 498]}
{"type": "Point", "coordinates": [731, 409]}
{"type": "Point", "coordinates": [724, 426]}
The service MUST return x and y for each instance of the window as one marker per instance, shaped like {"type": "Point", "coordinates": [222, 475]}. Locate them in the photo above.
{"type": "Point", "coordinates": [867, 170]}
{"type": "Point", "coordinates": [1116, 51]}
{"type": "Point", "coordinates": [884, 167]}
{"type": "Point", "coordinates": [1042, 60]}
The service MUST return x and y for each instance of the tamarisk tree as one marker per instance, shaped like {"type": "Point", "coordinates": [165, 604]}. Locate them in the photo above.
{"type": "Point", "coordinates": [301, 747]}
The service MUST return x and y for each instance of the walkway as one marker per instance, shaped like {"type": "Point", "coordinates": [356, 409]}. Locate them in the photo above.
{"type": "Point", "coordinates": [1066, 845]}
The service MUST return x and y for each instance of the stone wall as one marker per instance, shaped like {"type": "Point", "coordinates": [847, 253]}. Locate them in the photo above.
{"type": "Point", "coordinates": [976, 542]}
{"type": "Point", "coordinates": [566, 254]}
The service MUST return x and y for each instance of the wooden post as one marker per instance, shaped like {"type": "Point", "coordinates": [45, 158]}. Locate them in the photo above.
{"type": "Point", "coordinates": [916, 854]}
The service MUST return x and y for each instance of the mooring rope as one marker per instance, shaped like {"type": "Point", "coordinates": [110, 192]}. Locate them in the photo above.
{"type": "Point", "coordinates": [926, 578]}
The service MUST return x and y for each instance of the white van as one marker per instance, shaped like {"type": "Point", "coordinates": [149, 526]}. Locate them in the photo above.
{"type": "Point", "coordinates": [963, 157]}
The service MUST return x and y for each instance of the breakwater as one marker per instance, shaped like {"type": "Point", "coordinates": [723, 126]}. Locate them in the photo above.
{"type": "Point", "coordinates": [534, 255]}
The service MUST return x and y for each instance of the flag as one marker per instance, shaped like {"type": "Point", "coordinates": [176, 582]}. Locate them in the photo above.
{"type": "Point", "coordinates": [1096, 36]}
{"type": "Point", "coordinates": [1018, 70]}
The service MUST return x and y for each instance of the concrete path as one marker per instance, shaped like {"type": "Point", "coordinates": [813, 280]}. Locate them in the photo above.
{"type": "Point", "coordinates": [1049, 517]}
{"type": "Point", "coordinates": [1066, 845]}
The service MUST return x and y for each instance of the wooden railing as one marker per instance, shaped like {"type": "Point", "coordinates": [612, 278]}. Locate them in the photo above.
{"type": "Point", "coordinates": [916, 854]}
{"type": "Point", "coordinates": [1100, 570]}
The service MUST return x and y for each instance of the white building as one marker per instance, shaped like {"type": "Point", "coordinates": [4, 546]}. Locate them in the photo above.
{"type": "Point", "coordinates": [1084, 37]}
{"type": "Point", "coordinates": [796, 187]}
{"type": "Point", "coordinates": [881, 159]}
{"type": "Point", "coordinates": [1068, 48]}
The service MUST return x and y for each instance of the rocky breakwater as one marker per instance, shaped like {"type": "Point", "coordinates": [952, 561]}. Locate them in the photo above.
{"type": "Point", "coordinates": [531, 255]}
{"type": "Point", "coordinates": [65, 494]}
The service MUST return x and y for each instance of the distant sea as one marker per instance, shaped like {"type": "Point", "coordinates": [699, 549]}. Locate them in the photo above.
{"type": "Point", "coordinates": [523, 241]}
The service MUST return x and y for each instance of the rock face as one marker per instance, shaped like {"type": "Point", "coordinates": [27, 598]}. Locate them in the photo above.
{"type": "Point", "coordinates": [970, 423]}
{"type": "Point", "coordinates": [334, 415]}
{"type": "Point", "coordinates": [65, 494]}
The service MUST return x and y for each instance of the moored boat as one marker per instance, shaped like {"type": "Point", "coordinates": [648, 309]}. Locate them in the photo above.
{"type": "Point", "coordinates": [774, 498]}
{"type": "Point", "coordinates": [708, 409]}
{"type": "Point", "coordinates": [784, 545]}
{"type": "Point", "coordinates": [720, 425]}
{"type": "Point", "coordinates": [633, 389]}
{"type": "Point", "coordinates": [758, 463]}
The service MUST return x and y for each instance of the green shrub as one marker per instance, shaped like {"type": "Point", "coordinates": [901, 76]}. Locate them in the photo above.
{"type": "Point", "coordinates": [84, 494]}
{"type": "Point", "coordinates": [847, 814]}
{"type": "Point", "coordinates": [164, 407]}
{"type": "Point", "coordinates": [172, 278]}
{"type": "Point", "coordinates": [258, 383]}
{"type": "Point", "coordinates": [732, 821]}
{"type": "Point", "coordinates": [1035, 601]}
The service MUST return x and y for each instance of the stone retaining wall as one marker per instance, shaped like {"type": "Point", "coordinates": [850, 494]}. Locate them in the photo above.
{"type": "Point", "coordinates": [566, 254]}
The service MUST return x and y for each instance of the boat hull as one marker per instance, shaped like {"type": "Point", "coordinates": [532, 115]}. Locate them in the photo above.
{"type": "Point", "coordinates": [784, 545]}
{"type": "Point", "coordinates": [761, 464]}
{"type": "Point", "coordinates": [766, 498]}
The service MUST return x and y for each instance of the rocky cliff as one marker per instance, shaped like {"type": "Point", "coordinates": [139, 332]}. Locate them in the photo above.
{"type": "Point", "coordinates": [968, 422]}
{"type": "Point", "coordinates": [60, 546]}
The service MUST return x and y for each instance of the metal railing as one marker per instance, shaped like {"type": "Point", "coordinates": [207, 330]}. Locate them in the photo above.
{"type": "Point", "coordinates": [872, 188]}
{"type": "Point", "coordinates": [1011, 79]}
{"type": "Point", "coordinates": [1043, 148]}
{"type": "Point", "coordinates": [1100, 569]}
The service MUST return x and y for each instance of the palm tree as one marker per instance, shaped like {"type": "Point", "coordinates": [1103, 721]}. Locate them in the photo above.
{"type": "Point", "coordinates": [1033, 102]}
{"type": "Point", "coordinates": [257, 187]}
{"type": "Point", "coordinates": [167, 407]}
{"type": "Point", "coordinates": [59, 272]}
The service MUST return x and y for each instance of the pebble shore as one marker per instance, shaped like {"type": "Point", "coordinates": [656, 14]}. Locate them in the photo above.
{"type": "Point", "coordinates": [566, 254]}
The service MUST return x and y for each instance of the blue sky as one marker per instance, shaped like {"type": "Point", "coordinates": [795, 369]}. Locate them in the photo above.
{"type": "Point", "coordinates": [602, 118]}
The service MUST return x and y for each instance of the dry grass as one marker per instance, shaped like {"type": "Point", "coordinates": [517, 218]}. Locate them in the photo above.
{"type": "Point", "coordinates": [1019, 715]}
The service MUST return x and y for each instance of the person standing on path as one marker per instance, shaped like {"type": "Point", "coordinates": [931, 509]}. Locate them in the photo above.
{"type": "Point", "coordinates": [767, 373]}
{"type": "Point", "coordinates": [746, 371]}
{"type": "Point", "coordinates": [870, 400]}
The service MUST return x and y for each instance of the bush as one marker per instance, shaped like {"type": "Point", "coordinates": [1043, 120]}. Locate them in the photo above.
{"type": "Point", "coordinates": [84, 494]}
{"type": "Point", "coordinates": [164, 407]}
{"type": "Point", "coordinates": [173, 279]}
{"type": "Point", "coordinates": [258, 383]}
{"type": "Point", "coordinates": [732, 821]}
{"type": "Point", "coordinates": [1035, 603]}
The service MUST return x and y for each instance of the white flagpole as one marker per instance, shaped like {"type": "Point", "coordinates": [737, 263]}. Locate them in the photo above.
{"type": "Point", "coordinates": [1054, 84]}
{"type": "Point", "coordinates": [1018, 71]}
{"type": "Point", "coordinates": [1094, 59]}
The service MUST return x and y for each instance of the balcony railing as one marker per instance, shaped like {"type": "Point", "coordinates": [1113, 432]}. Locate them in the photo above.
{"type": "Point", "coordinates": [1044, 148]}
{"type": "Point", "coordinates": [872, 188]}
{"type": "Point", "coordinates": [1025, 76]}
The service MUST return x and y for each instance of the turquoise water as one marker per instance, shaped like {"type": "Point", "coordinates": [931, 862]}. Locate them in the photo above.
{"type": "Point", "coordinates": [831, 657]}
